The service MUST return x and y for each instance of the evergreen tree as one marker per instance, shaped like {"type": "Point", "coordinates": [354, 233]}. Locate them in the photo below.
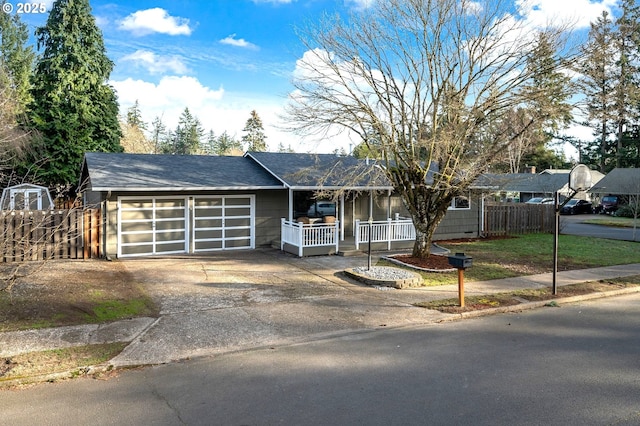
{"type": "Point", "coordinates": [254, 138]}
{"type": "Point", "coordinates": [549, 90]}
{"type": "Point", "coordinates": [627, 90]}
{"type": "Point", "coordinates": [158, 131]}
{"type": "Point", "coordinates": [547, 93]}
{"type": "Point", "coordinates": [167, 142]}
{"type": "Point", "coordinates": [73, 108]}
{"type": "Point", "coordinates": [209, 145]}
{"type": "Point", "coordinates": [133, 126]}
{"type": "Point", "coordinates": [188, 134]}
{"type": "Point", "coordinates": [134, 116]}
{"type": "Point", "coordinates": [17, 57]}
{"type": "Point", "coordinates": [227, 145]}
{"type": "Point", "coordinates": [597, 83]}
{"type": "Point", "coordinates": [282, 148]}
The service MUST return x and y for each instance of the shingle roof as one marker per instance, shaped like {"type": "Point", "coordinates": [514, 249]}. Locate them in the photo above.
{"type": "Point", "coordinates": [619, 181]}
{"type": "Point", "coordinates": [548, 181]}
{"type": "Point", "coordinates": [128, 172]}
{"type": "Point", "coordinates": [327, 171]}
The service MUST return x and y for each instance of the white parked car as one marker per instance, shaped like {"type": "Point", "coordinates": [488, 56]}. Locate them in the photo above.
{"type": "Point", "coordinates": [321, 209]}
{"type": "Point", "coordinates": [539, 200]}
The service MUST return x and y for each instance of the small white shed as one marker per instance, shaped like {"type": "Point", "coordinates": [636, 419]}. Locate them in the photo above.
{"type": "Point", "coordinates": [26, 196]}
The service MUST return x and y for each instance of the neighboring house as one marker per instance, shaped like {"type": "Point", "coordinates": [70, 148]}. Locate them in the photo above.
{"type": "Point", "coordinates": [620, 182]}
{"type": "Point", "coordinates": [166, 204]}
{"type": "Point", "coordinates": [521, 187]}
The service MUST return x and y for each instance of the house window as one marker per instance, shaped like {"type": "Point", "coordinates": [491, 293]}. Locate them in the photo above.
{"type": "Point", "coordinates": [460, 203]}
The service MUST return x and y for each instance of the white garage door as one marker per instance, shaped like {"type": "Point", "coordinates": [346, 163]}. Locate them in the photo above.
{"type": "Point", "coordinates": [161, 225]}
{"type": "Point", "coordinates": [223, 223]}
{"type": "Point", "coordinates": [152, 225]}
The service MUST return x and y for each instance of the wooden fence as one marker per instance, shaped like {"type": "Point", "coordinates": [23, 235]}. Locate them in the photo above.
{"type": "Point", "coordinates": [518, 218]}
{"type": "Point", "coordinates": [50, 234]}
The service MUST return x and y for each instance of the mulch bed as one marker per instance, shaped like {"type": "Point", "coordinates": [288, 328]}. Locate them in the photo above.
{"type": "Point", "coordinates": [432, 262]}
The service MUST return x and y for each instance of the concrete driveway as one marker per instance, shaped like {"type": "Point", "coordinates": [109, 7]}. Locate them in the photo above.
{"type": "Point", "coordinates": [245, 299]}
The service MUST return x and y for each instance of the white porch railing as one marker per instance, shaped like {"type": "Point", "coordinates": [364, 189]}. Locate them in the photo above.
{"type": "Point", "coordinates": [384, 231]}
{"type": "Point", "coordinates": [302, 235]}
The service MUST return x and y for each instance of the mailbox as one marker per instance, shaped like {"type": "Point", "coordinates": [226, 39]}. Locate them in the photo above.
{"type": "Point", "coordinates": [460, 261]}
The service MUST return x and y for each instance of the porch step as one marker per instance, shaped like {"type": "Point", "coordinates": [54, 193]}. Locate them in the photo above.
{"type": "Point", "coordinates": [349, 252]}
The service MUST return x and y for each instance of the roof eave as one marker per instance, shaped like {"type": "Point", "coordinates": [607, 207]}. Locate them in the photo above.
{"type": "Point", "coordinates": [183, 188]}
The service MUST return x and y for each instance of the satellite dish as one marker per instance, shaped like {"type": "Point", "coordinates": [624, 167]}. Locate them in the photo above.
{"type": "Point", "coordinates": [580, 178]}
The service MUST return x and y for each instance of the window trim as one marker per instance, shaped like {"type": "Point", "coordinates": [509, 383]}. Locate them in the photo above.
{"type": "Point", "coordinates": [454, 206]}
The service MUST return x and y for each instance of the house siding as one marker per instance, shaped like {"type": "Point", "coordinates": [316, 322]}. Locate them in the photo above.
{"type": "Point", "coordinates": [459, 224]}
{"type": "Point", "coordinates": [455, 224]}
{"type": "Point", "coordinates": [271, 206]}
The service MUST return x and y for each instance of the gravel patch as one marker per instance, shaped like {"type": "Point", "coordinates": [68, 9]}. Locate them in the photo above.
{"type": "Point", "coordinates": [385, 276]}
{"type": "Point", "coordinates": [384, 273]}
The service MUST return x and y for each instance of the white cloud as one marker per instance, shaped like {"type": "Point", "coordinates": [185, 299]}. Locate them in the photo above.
{"type": "Point", "coordinates": [580, 13]}
{"type": "Point", "coordinates": [217, 110]}
{"type": "Point", "coordinates": [170, 92]}
{"type": "Point", "coordinates": [155, 20]}
{"type": "Point", "coordinates": [238, 42]}
{"type": "Point", "coordinates": [156, 64]}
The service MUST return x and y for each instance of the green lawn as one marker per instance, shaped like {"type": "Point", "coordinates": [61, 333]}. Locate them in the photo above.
{"type": "Point", "coordinates": [606, 220]}
{"type": "Point", "coordinates": [533, 254]}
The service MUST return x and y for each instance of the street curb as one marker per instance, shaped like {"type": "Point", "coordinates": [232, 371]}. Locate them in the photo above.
{"type": "Point", "coordinates": [81, 371]}
{"type": "Point", "coordinates": [538, 304]}
{"type": "Point", "coordinates": [87, 371]}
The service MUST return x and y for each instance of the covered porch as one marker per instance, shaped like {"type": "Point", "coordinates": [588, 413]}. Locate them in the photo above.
{"type": "Point", "coordinates": [321, 238]}
{"type": "Point", "coordinates": [333, 204]}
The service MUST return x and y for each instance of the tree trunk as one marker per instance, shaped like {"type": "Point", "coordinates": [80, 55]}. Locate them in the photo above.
{"type": "Point", "coordinates": [422, 245]}
{"type": "Point", "coordinates": [426, 219]}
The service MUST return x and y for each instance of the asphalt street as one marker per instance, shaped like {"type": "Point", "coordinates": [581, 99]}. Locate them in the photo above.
{"type": "Point", "coordinates": [572, 225]}
{"type": "Point", "coordinates": [578, 364]}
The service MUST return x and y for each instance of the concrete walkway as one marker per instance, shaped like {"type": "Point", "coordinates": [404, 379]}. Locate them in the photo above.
{"type": "Point", "coordinates": [212, 305]}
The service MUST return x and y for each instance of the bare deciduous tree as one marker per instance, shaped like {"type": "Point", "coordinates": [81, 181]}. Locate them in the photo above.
{"type": "Point", "coordinates": [427, 80]}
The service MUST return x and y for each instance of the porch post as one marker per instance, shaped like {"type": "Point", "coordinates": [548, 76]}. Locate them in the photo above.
{"type": "Point", "coordinates": [290, 205]}
{"type": "Point", "coordinates": [356, 232]}
{"type": "Point", "coordinates": [353, 213]}
{"type": "Point", "coordinates": [370, 205]}
{"type": "Point", "coordinates": [341, 218]}
{"type": "Point", "coordinates": [282, 233]}
{"type": "Point", "coordinates": [300, 238]}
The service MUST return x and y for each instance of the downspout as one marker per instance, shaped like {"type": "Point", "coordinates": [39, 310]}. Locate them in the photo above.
{"type": "Point", "coordinates": [105, 226]}
{"type": "Point", "coordinates": [370, 205]}
{"type": "Point", "coordinates": [481, 214]}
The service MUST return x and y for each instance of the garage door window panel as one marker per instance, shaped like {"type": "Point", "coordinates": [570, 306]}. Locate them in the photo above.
{"type": "Point", "coordinates": [152, 225]}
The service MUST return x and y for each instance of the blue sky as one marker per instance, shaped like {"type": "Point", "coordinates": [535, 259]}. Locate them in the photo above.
{"type": "Point", "coordinates": [224, 58]}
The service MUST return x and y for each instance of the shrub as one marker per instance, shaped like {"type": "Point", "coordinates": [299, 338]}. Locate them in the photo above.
{"type": "Point", "coordinates": [625, 211]}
